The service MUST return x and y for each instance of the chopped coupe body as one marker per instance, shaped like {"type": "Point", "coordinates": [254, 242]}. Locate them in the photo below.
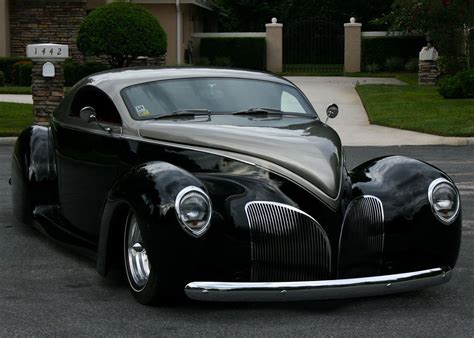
{"type": "Point", "coordinates": [227, 185]}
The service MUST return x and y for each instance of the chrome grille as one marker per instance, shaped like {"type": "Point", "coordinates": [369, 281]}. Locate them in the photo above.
{"type": "Point", "coordinates": [361, 241]}
{"type": "Point", "coordinates": [286, 244]}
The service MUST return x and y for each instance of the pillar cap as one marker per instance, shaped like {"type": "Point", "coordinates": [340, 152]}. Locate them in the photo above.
{"type": "Point", "coordinates": [274, 25]}
{"type": "Point", "coordinates": [47, 52]}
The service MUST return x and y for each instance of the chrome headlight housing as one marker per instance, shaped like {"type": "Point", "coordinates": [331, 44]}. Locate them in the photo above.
{"type": "Point", "coordinates": [444, 200]}
{"type": "Point", "coordinates": [194, 210]}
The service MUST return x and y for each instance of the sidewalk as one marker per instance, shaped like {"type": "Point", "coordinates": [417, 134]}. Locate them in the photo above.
{"type": "Point", "coordinates": [352, 123]}
{"type": "Point", "coordinates": [16, 98]}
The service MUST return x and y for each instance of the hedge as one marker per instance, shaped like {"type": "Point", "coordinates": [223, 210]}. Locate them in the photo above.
{"type": "Point", "coordinates": [378, 50]}
{"type": "Point", "coordinates": [17, 71]}
{"type": "Point", "coordinates": [74, 71]}
{"type": "Point", "coordinates": [459, 86]}
{"type": "Point", "coordinates": [21, 73]}
{"type": "Point", "coordinates": [243, 52]}
{"type": "Point", "coordinates": [6, 65]}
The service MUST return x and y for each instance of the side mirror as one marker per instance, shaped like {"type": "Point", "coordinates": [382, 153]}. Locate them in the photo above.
{"type": "Point", "coordinates": [87, 114]}
{"type": "Point", "coordinates": [332, 111]}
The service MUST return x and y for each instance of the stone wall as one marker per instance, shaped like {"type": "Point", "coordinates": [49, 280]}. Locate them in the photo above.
{"type": "Point", "coordinates": [45, 21]}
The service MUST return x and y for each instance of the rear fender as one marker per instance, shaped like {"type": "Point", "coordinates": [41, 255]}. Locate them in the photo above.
{"type": "Point", "coordinates": [33, 173]}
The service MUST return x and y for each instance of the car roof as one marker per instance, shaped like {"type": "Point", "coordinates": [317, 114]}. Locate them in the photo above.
{"type": "Point", "coordinates": [116, 79]}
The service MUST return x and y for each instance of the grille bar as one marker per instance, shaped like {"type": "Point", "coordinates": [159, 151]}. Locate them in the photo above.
{"type": "Point", "coordinates": [286, 244]}
{"type": "Point", "coordinates": [361, 242]}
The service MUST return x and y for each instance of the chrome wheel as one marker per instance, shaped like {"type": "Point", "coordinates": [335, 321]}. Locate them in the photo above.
{"type": "Point", "coordinates": [136, 258]}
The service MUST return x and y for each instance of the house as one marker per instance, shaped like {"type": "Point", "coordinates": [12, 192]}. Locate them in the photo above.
{"type": "Point", "coordinates": [57, 21]}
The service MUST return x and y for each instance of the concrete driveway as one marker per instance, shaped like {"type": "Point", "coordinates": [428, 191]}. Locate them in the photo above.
{"type": "Point", "coordinates": [352, 123]}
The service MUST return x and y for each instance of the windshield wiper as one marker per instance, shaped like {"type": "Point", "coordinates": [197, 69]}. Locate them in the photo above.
{"type": "Point", "coordinates": [185, 112]}
{"type": "Point", "coordinates": [256, 111]}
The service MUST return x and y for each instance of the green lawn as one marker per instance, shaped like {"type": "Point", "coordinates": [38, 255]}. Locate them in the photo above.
{"type": "Point", "coordinates": [418, 108]}
{"type": "Point", "coordinates": [21, 90]}
{"type": "Point", "coordinates": [14, 117]}
{"type": "Point", "coordinates": [15, 90]}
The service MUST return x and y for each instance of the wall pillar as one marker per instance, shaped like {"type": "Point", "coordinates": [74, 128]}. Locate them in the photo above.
{"type": "Point", "coordinates": [47, 92]}
{"type": "Point", "coordinates": [352, 46]}
{"type": "Point", "coordinates": [4, 28]}
{"type": "Point", "coordinates": [47, 82]}
{"type": "Point", "coordinates": [428, 71]}
{"type": "Point", "coordinates": [274, 43]}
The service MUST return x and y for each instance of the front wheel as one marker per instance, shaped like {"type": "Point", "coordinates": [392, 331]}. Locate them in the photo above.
{"type": "Point", "coordinates": [145, 283]}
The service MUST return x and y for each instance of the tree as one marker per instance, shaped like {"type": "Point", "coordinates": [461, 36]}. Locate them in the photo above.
{"type": "Point", "coordinates": [245, 15]}
{"type": "Point", "coordinates": [122, 32]}
{"type": "Point", "coordinates": [447, 22]}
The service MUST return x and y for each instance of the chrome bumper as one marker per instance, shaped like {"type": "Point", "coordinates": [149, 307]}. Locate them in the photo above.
{"type": "Point", "coordinates": [326, 289]}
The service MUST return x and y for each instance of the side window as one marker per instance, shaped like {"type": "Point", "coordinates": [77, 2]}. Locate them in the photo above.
{"type": "Point", "coordinates": [289, 103]}
{"type": "Point", "coordinates": [105, 109]}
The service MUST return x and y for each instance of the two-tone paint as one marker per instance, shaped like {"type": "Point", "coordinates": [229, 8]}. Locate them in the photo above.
{"type": "Point", "coordinates": [76, 182]}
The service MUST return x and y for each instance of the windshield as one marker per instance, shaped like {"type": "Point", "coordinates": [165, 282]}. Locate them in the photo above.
{"type": "Point", "coordinates": [216, 95]}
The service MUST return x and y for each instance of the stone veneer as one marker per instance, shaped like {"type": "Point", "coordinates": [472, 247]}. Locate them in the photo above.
{"type": "Point", "coordinates": [428, 73]}
{"type": "Point", "coordinates": [47, 92]}
{"type": "Point", "coordinates": [45, 21]}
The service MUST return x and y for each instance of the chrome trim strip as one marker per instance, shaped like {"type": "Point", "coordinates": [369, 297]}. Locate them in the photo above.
{"type": "Point", "coordinates": [115, 132]}
{"type": "Point", "coordinates": [317, 290]}
{"type": "Point", "coordinates": [430, 199]}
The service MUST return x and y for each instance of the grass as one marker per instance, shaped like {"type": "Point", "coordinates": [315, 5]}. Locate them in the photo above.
{"type": "Point", "coordinates": [14, 117]}
{"type": "Point", "coordinates": [418, 108]}
{"type": "Point", "coordinates": [15, 90]}
{"type": "Point", "coordinates": [21, 90]}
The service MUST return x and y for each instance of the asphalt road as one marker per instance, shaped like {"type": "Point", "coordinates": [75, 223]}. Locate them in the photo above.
{"type": "Point", "coordinates": [45, 290]}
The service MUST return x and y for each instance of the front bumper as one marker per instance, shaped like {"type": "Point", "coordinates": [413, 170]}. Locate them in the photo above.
{"type": "Point", "coordinates": [326, 289]}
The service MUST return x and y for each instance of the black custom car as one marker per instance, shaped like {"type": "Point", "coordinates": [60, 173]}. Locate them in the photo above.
{"type": "Point", "coordinates": [227, 185]}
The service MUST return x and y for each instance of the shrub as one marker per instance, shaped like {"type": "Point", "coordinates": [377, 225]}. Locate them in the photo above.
{"type": "Point", "coordinates": [21, 73]}
{"type": "Point", "coordinates": [412, 65]}
{"type": "Point", "coordinates": [6, 65]}
{"type": "Point", "coordinates": [243, 52]}
{"type": "Point", "coordinates": [74, 71]}
{"type": "Point", "coordinates": [378, 50]}
{"type": "Point", "coordinates": [459, 86]}
{"type": "Point", "coordinates": [451, 65]}
{"type": "Point", "coordinates": [202, 62]}
{"type": "Point", "coordinates": [394, 64]}
{"type": "Point", "coordinates": [222, 61]}
{"type": "Point", "coordinates": [123, 32]}
{"type": "Point", "coordinates": [372, 68]}
{"type": "Point", "coordinates": [2, 79]}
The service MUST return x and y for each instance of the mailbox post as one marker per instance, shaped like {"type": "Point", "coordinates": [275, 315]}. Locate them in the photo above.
{"type": "Point", "coordinates": [47, 83]}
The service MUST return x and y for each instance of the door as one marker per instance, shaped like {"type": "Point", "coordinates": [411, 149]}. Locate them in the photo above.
{"type": "Point", "coordinates": [87, 158]}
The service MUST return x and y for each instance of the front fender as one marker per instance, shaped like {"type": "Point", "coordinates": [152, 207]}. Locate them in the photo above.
{"type": "Point", "coordinates": [150, 191]}
{"type": "Point", "coordinates": [414, 238]}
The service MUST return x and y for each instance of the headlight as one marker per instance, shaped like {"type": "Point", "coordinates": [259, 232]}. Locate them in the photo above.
{"type": "Point", "coordinates": [193, 208]}
{"type": "Point", "coordinates": [444, 200]}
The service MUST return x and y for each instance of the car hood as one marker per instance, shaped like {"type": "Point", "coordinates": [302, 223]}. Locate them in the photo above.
{"type": "Point", "coordinates": [305, 146]}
